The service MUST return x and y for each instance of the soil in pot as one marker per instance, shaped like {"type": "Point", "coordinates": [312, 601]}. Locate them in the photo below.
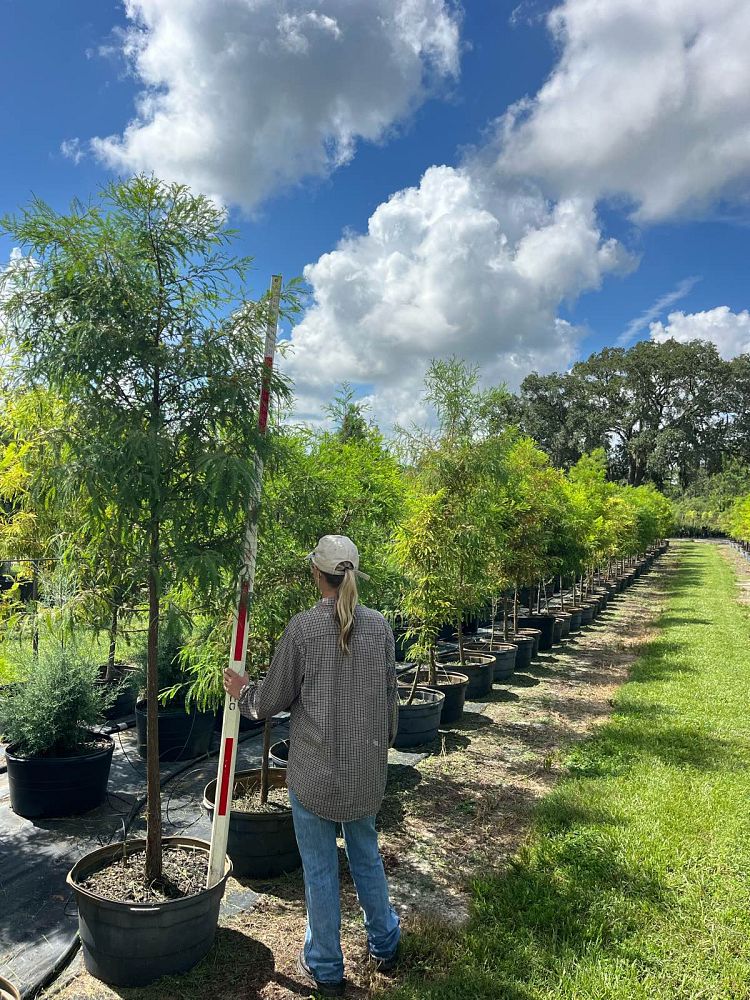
{"type": "Point", "coordinates": [60, 786]}
{"type": "Point", "coordinates": [261, 844]}
{"type": "Point", "coordinates": [182, 735]}
{"type": "Point", "coordinates": [419, 721]}
{"type": "Point", "coordinates": [8, 991]}
{"type": "Point", "coordinates": [125, 879]}
{"type": "Point", "coordinates": [451, 684]}
{"type": "Point", "coordinates": [132, 943]}
{"type": "Point", "coordinates": [478, 667]}
{"type": "Point", "coordinates": [505, 657]}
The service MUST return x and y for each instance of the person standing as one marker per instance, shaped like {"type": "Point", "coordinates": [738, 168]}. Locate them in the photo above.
{"type": "Point", "coordinates": [334, 670]}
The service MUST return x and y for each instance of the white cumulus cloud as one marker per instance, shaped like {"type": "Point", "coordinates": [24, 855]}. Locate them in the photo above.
{"type": "Point", "coordinates": [648, 101]}
{"type": "Point", "coordinates": [729, 331]}
{"type": "Point", "coordinates": [455, 265]}
{"type": "Point", "coordinates": [243, 97]}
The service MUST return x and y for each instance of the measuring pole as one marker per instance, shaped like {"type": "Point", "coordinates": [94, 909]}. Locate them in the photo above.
{"type": "Point", "coordinates": [238, 650]}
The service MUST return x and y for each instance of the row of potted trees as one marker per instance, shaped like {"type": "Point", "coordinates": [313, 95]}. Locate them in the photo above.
{"type": "Point", "coordinates": [128, 432]}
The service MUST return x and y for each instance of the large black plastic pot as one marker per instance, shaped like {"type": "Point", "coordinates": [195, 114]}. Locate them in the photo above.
{"type": "Point", "coordinates": [557, 631]}
{"type": "Point", "coordinates": [524, 650]}
{"type": "Point", "coordinates": [419, 722]}
{"type": "Point", "coordinates": [575, 620]}
{"type": "Point", "coordinates": [182, 735]}
{"type": "Point", "coordinates": [124, 703]}
{"type": "Point", "coordinates": [59, 786]}
{"type": "Point", "coordinates": [450, 683]}
{"type": "Point", "coordinates": [478, 667]}
{"type": "Point", "coordinates": [133, 944]}
{"type": "Point", "coordinates": [260, 844]}
{"type": "Point", "coordinates": [8, 991]}
{"type": "Point", "coordinates": [564, 618]}
{"type": "Point", "coordinates": [545, 624]}
{"type": "Point", "coordinates": [535, 635]}
{"type": "Point", "coordinates": [587, 613]}
{"type": "Point", "coordinates": [504, 653]}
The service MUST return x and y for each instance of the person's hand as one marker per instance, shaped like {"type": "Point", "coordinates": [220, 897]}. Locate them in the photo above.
{"type": "Point", "coordinates": [234, 682]}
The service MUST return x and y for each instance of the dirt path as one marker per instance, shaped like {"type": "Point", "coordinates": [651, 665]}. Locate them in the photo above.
{"type": "Point", "coordinates": [465, 808]}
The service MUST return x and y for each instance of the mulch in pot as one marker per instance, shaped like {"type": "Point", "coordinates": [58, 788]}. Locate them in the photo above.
{"type": "Point", "coordinates": [184, 874]}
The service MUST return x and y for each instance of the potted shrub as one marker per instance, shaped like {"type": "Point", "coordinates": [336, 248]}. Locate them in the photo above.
{"type": "Point", "coordinates": [136, 324]}
{"type": "Point", "coordinates": [57, 764]}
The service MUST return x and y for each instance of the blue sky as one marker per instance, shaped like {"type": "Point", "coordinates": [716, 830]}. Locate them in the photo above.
{"type": "Point", "coordinates": [67, 80]}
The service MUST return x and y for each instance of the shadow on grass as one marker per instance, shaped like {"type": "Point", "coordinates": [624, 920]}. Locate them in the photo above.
{"type": "Point", "coordinates": [628, 743]}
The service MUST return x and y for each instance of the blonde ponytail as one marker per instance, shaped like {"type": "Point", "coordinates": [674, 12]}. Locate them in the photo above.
{"type": "Point", "coordinates": [347, 598]}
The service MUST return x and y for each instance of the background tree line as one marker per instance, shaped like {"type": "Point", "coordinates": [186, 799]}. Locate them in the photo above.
{"type": "Point", "coordinates": [671, 414]}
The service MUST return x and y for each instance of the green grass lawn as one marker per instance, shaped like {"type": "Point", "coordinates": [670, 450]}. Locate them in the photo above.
{"type": "Point", "coordinates": [635, 882]}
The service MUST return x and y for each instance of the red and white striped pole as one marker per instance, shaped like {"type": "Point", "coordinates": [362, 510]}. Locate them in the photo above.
{"type": "Point", "coordinates": [238, 651]}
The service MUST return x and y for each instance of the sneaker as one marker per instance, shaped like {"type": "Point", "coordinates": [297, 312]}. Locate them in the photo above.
{"type": "Point", "coordinates": [326, 989]}
{"type": "Point", "coordinates": [384, 964]}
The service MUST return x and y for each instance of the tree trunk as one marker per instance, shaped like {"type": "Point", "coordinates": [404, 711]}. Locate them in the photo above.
{"type": "Point", "coordinates": [562, 593]}
{"type": "Point", "coordinates": [515, 610]}
{"type": "Point", "coordinates": [153, 778]}
{"type": "Point", "coordinates": [494, 613]}
{"type": "Point", "coordinates": [153, 791]}
{"type": "Point", "coordinates": [432, 675]}
{"type": "Point", "coordinates": [505, 618]}
{"type": "Point", "coordinates": [460, 634]}
{"type": "Point", "coordinates": [35, 608]}
{"type": "Point", "coordinates": [110, 676]}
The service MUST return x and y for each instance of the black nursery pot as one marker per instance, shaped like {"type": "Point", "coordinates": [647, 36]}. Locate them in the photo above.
{"type": "Point", "coordinates": [575, 620]}
{"type": "Point", "coordinates": [59, 786]}
{"type": "Point", "coordinates": [419, 722]}
{"type": "Point", "coordinates": [504, 653]}
{"type": "Point", "coordinates": [524, 650]}
{"type": "Point", "coordinates": [557, 631]}
{"type": "Point", "coordinates": [535, 635]}
{"type": "Point", "coordinates": [260, 844]}
{"type": "Point", "coordinates": [478, 667]}
{"type": "Point", "coordinates": [449, 683]}
{"type": "Point", "coordinates": [133, 944]}
{"type": "Point", "coordinates": [182, 735]}
{"type": "Point", "coordinates": [564, 618]}
{"type": "Point", "coordinates": [545, 624]}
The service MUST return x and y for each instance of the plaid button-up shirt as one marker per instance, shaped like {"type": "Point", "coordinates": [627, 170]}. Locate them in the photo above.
{"type": "Point", "coordinates": [343, 709]}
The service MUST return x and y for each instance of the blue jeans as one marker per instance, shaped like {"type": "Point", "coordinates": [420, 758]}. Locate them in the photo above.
{"type": "Point", "coordinates": [316, 838]}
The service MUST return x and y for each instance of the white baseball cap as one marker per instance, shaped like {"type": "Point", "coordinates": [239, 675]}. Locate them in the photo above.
{"type": "Point", "coordinates": [331, 551]}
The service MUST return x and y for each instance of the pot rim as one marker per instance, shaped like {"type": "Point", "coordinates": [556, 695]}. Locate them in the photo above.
{"type": "Point", "coordinates": [449, 673]}
{"type": "Point", "coordinates": [151, 907]}
{"type": "Point", "coordinates": [485, 659]}
{"type": "Point", "coordinates": [102, 752]}
{"type": "Point", "coordinates": [209, 794]}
